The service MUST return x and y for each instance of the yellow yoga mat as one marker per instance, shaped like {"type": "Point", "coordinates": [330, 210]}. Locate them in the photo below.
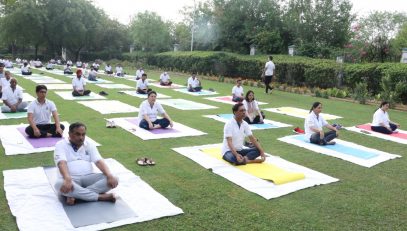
{"type": "Point", "coordinates": [264, 171]}
{"type": "Point", "coordinates": [303, 113]}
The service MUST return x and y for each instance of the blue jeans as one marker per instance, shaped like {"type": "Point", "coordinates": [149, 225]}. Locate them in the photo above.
{"type": "Point", "coordinates": [194, 89]}
{"type": "Point", "coordinates": [250, 153]}
{"type": "Point", "coordinates": [328, 136]}
{"type": "Point", "coordinates": [164, 122]}
{"type": "Point", "coordinates": [237, 99]}
{"type": "Point", "coordinates": [384, 130]}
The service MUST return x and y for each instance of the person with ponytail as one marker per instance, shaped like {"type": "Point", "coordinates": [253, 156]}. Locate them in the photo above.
{"type": "Point", "coordinates": [381, 121]}
{"type": "Point", "coordinates": [314, 124]}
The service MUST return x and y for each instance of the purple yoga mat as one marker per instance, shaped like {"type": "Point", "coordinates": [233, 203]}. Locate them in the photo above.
{"type": "Point", "coordinates": [39, 142]}
{"type": "Point", "coordinates": [154, 131]}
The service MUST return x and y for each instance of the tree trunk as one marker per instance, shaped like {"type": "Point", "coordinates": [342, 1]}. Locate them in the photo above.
{"type": "Point", "coordinates": [36, 52]}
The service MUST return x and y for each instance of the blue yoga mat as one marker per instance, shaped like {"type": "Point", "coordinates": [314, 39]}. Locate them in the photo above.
{"type": "Point", "coordinates": [264, 126]}
{"type": "Point", "coordinates": [345, 149]}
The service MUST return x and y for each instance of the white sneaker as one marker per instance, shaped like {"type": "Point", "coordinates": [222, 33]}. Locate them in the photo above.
{"type": "Point", "coordinates": [108, 124]}
{"type": "Point", "coordinates": [112, 124]}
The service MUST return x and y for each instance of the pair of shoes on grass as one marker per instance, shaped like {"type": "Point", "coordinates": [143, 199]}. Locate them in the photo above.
{"type": "Point", "coordinates": [103, 93]}
{"type": "Point", "coordinates": [145, 161]}
{"type": "Point", "coordinates": [110, 124]}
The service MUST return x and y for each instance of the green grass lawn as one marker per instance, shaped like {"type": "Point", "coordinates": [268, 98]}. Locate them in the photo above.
{"type": "Point", "coordinates": [364, 198]}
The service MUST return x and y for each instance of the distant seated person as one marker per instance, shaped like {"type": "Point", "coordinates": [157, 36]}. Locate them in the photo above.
{"type": "Point", "coordinates": [237, 91]}
{"type": "Point", "coordinates": [139, 73]}
{"type": "Point", "coordinates": [314, 127]}
{"type": "Point", "coordinates": [92, 74]}
{"type": "Point", "coordinates": [13, 98]}
{"type": "Point", "coordinates": [78, 85]}
{"type": "Point", "coordinates": [142, 85]}
{"type": "Point", "coordinates": [78, 64]}
{"type": "Point", "coordinates": [50, 66]}
{"type": "Point", "coordinates": [149, 110]}
{"type": "Point", "coordinates": [381, 120]}
{"type": "Point", "coordinates": [8, 64]}
{"type": "Point", "coordinates": [234, 134]}
{"type": "Point", "coordinates": [25, 69]}
{"type": "Point", "coordinates": [5, 81]}
{"type": "Point", "coordinates": [69, 62]}
{"type": "Point", "coordinates": [95, 66]}
{"type": "Point", "coordinates": [165, 79]}
{"type": "Point", "coordinates": [59, 62]}
{"type": "Point", "coordinates": [37, 64]}
{"type": "Point", "coordinates": [39, 116]}
{"type": "Point", "coordinates": [108, 69]}
{"type": "Point", "coordinates": [194, 84]}
{"type": "Point", "coordinates": [77, 180]}
{"type": "Point", "coordinates": [68, 70]}
{"type": "Point", "coordinates": [253, 113]}
{"type": "Point", "coordinates": [119, 71]}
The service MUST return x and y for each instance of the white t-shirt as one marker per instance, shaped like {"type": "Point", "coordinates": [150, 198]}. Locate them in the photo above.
{"type": "Point", "coordinates": [312, 121]}
{"type": "Point", "coordinates": [238, 134]}
{"type": "Point", "coordinates": [269, 68]}
{"type": "Point", "coordinates": [79, 162]}
{"type": "Point", "coordinates": [193, 82]}
{"type": "Point", "coordinates": [78, 83]}
{"type": "Point", "coordinates": [119, 70]}
{"type": "Point", "coordinates": [237, 91]}
{"type": "Point", "coordinates": [4, 83]}
{"type": "Point", "coordinates": [41, 112]}
{"type": "Point", "coordinates": [108, 68]}
{"type": "Point", "coordinates": [25, 68]}
{"type": "Point", "coordinates": [164, 77]}
{"type": "Point", "coordinates": [142, 85]}
{"type": "Point", "coordinates": [381, 116]}
{"type": "Point", "coordinates": [251, 108]}
{"type": "Point", "coordinates": [151, 112]}
{"type": "Point", "coordinates": [139, 73]}
{"type": "Point", "coordinates": [11, 96]}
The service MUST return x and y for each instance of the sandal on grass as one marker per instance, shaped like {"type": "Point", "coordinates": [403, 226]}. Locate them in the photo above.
{"type": "Point", "coordinates": [142, 161]}
{"type": "Point", "coordinates": [150, 161]}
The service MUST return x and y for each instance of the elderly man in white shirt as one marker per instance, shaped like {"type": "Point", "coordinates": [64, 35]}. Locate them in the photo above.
{"type": "Point", "coordinates": [5, 82]}
{"type": "Point", "coordinates": [381, 121]}
{"type": "Point", "coordinates": [194, 85]}
{"type": "Point", "coordinates": [13, 98]}
{"type": "Point", "coordinates": [165, 79]}
{"type": "Point", "coordinates": [268, 73]}
{"type": "Point", "coordinates": [39, 116]}
{"type": "Point", "coordinates": [142, 85]}
{"type": "Point", "coordinates": [78, 85]}
{"type": "Point", "coordinates": [234, 134]}
{"type": "Point", "coordinates": [74, 158]}
{"type": "Point", "coordinates": [314, 124]}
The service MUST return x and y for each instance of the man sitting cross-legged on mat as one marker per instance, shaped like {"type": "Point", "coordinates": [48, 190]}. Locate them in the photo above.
{"type": "Point", "coordinates": [381, 121]}
{"type": "Point", "coordinates": [78, 85]}
{"type": "Point", "coordinates": [314, 124]}
{"type": "Point", "coordinates": [13, 98]}
{"type": "Point", "coordinates": [234, 134]}
{"type": "Point", "coordinates": [149, 109]}
{"type": "Point", "coordinates": [39, 116]}
{"type": "Point", "coordinates": [74, 158]}
{"type": "Point", "coordinates": [142, 85]}
{"type": "Point", "coordinates": [194, 85]}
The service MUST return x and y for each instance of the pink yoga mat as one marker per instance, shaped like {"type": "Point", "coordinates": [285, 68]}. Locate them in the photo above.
{"type": "Point", "coordinates": [225, 98]}
{"type": "Point", "coordinates": [39, 142]}
{"type": "Point", "coordinates": [155, 131]}
{"type": "Point", "coordinates": [368, 128]}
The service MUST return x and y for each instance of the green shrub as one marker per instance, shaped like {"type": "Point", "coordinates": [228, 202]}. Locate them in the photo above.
{"type": "Point", "coordinates": [361, 93]}
{"type": "Point", "coordinates": [401, 92]}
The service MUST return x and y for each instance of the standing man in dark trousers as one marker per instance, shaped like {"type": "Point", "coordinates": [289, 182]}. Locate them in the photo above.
{"type": "Point", "coordinates": [268, 74]}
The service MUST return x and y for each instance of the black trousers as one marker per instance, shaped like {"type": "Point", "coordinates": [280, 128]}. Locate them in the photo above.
{"type": "Point", "coordinates": [44, 129]}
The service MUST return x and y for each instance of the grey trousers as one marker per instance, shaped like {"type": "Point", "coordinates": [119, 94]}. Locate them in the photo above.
{"type": "Point", "coordinates": [21, 107]}
{"type": "Point", "coordinates": [86, 187]}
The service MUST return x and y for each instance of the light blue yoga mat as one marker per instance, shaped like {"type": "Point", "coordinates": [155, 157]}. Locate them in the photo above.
{"type": "Point", "coordinates": [352, 151]}
{"type": "Point", "coordinates": [264, 126]}
{"type": "Point", "coordinates": [202, 92]}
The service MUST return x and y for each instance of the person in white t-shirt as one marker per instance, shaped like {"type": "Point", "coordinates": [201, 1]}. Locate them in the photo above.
{"type": "Point", "coordinates": [381, 121]}
{"type": "Point", "coordinates": [39, 116]}
{"type": "Point", "coordinates": [237, 91]}
{"type": "Point", "coordinates": [79, 64]}
{"type": "Point", "coordinates": [5, 82]}
{"type": "Point", "coordinates": [78, 85]}
{"type": "Point", "coordinates": [148, 112]}
{"type": "Point", "coordinates": [268, 74]}
{"type": "Point", "coordinates": [13, 98]}
{"type": "Point", "coordinates": [37, 63]}
{"type": "Point", "coordinates": [93, 74]}
{"type": "Point", "coordinates": [119, 71]}
{"type": "Point", "coordinates": [165, 79]}
{"type": "Point", "coordinates": [25, 69]}
{"type": "Point", "coordinates": [49, 66]}
{"type": "Point", "coordinates": [194, 84]}
{"type": "Point", "coordinates": [77, 180]}
{"type": "Point", "coordinates": [314, 125]}
{"type": "Point", "coordinates": [142, 85]}
{"type": "Point", "coordinates": [139, 73]}
{"type": "Point", "coordinates": [108, 69]}
{"type": "Point", "coordinates": [234, 134]}
{"type": "Point", "coordinates": [253, 113]}
{"type": "Point", "coordinates": [68, 70]}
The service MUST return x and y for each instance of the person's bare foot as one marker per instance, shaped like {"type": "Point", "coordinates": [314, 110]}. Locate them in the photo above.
{"type": "Point", "coordinates": [157, 126]}
{"type": "Point", "coordinates": [107, 197]}
{"type": "Point", "coordinates": [70, 201]}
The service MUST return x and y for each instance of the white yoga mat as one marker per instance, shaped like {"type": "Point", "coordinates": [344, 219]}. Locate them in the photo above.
{"type": "Point", "coordinates": [67, 95]}
{"type": "Point", "coordinates": [36, 206]}
{"type": "Point", "coordinates": [299, 113]}
{"type": "Point", "coordinates": [354, 153]}
{"type": "Point", "coordinates": [227, 99]}
{"type": "Point", "coordinates": [173, 85]}
{"type": "Point", "coordinates": [183, 104]}
{"type": "Point", "coordinates": [45, 80]}
{"type": "Point", "coordinates": [99, 80]}
{"type": "Point", "coordinates": [114, 86]}
{"type": "Point", "coordinates": [144, 96]}
{"type": "Point", "coordinates": [133, 78]}
{"type": "Point", "coordinates": [268, 124]}
{"type": "Point", "coordinates": [179, 130]}
{"type": "Point", "coordinates": [28, 98]}
{"type": "Point", "coordinates": [264, 188]}
{"type": "Point", "coordinates": [15, 143]}
{"type": "Point", "coordinates": [59, 86]}
{"type": "Point", "coordinates": [109, 106]}
{"type": "Point", "coordinates": [196, 93]}
{"type": "Point", "coordinates": [393, 138]}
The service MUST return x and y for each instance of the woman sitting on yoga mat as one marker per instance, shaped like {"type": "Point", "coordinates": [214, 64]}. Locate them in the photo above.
{"type": "Point", "coordinates": [381, 121]}
{"type": "Point", "coordinates": [149, 109]}
{"type": "Point", "coordinates": [253, 113]}
{"type": "Point", "coordinates": [314, 124]}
